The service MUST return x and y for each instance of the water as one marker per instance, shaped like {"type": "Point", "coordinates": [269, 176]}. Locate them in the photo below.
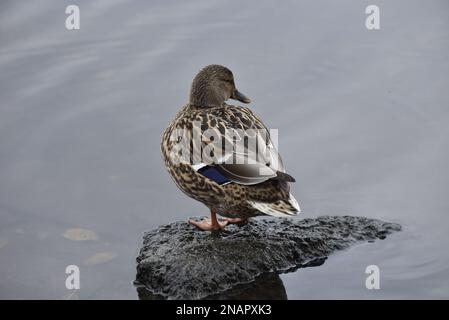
{"type": "Point", "coordinates": [362, 117]}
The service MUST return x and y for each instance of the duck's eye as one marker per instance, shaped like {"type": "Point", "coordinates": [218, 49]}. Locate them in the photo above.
{"type": "Point", "coordinates": [230, 81]}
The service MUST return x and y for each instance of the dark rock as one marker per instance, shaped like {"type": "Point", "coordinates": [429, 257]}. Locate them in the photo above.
{"type": "Point", "coordinates": [177, 261]}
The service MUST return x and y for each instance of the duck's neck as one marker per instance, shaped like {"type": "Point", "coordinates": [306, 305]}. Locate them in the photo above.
{"type": "Point", "coordinates": [205, 96]}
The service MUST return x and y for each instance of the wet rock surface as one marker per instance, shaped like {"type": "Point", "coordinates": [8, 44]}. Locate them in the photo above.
{"type": "Point", "coordinates": [177, 261]}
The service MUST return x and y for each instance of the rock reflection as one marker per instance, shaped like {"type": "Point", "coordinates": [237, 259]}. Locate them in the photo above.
{"type": "Point", "coordinates": [265, 287]}
{"type": "Point", "coordinates": [268, 286]}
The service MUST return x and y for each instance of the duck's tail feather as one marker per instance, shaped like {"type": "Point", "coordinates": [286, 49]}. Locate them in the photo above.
{"type": "Point", "coordinates": [281, 208]}
{"type": "Point", "coordinates": [283, 176]}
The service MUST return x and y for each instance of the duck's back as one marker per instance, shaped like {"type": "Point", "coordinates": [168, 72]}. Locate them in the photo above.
{"type": "Point", "coordinates": [244, 196]}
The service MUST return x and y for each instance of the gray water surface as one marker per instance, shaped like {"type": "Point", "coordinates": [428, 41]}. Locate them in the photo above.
{"type": "Point", "coordinates": [362, 118]}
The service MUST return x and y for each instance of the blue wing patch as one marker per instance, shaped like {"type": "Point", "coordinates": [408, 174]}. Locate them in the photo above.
{"type": "Point", "coordinates": [213, 174]}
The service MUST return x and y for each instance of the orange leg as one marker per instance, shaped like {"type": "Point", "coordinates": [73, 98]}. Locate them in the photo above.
{"type": "Point", "coordinates": [211, 224]}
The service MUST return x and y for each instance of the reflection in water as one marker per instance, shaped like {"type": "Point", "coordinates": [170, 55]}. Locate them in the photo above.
{"type": "Point", "coordinates": [268, 286]}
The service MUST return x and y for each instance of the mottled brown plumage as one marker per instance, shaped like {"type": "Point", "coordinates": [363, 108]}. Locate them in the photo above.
{"type": "Point", "coordinates": [242, 197]}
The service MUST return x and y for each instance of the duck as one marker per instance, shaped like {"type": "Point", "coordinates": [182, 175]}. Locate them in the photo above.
{"type": "Point", "coordinates": [235, 190]}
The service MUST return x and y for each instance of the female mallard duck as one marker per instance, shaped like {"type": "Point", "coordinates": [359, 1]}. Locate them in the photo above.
{"type": "Point", "coordinates": [233, 190]}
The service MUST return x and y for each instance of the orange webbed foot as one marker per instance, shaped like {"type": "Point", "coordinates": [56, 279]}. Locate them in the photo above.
{"type": "Point", "coordinates": [208, 225]}
{"type": "Point", "coordinates": [238, 221]}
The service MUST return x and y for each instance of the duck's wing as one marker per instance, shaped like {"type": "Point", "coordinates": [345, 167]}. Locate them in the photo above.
{"type": "Point", "coordinates": [254, 158]}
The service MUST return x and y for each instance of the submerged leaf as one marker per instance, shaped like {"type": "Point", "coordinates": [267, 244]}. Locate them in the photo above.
{"type": "Point", "coordinates": [78, 234]}
{"type": "Point", "coordinates": [101, 257]}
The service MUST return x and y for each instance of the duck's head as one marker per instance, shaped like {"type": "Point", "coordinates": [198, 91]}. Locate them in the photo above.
{"type": "Point", "coordinates": [213, 85]}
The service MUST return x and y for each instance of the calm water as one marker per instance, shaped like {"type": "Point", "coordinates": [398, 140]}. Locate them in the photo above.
{"type": "Point", "coordinates": [362, 117]}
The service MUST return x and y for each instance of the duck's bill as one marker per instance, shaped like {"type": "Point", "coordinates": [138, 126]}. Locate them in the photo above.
{"type": "Point", "coordinates": [240, 97]}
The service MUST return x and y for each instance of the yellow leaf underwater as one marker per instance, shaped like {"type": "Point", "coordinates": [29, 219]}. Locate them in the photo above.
{"type": "Point", "coordinates": [78, 234]}
{"type": "Point", "coordinates": [101, 257]}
